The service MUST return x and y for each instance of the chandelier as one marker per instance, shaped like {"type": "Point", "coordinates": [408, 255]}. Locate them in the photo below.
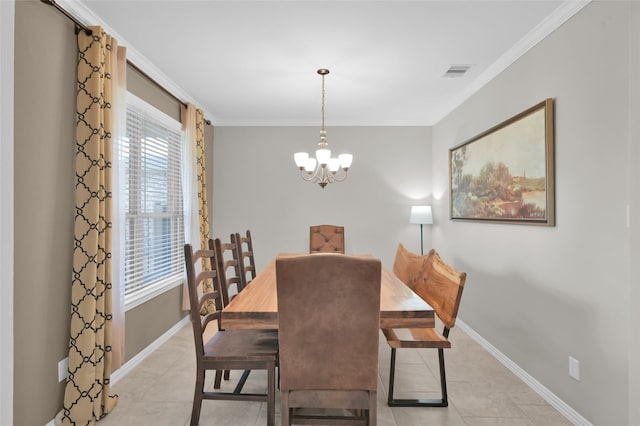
{"type": "Point", "coordinates": [323, 169]}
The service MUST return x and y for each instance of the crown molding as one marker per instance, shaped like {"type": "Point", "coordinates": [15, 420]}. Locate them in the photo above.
{"type": "Point", "coordinates": [561, 15]}
{"type": "Point", "coordinates": [88, 17]}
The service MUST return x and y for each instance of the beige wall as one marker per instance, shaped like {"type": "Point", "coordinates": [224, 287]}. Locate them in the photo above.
{"type": "Point", "coordinates": [542, 294]}
{"type": "Point", "coordinates": [634, 191]}
{"type": "Point", "coordinates": [143, 88]}
{"type": "Point", "coordinates": [257, 186]}
{"type": "Point", "coordinates": [44, 207]}
{"type": "Point", "coordinates": [146, 322]}
{"type": "Point", "coordinates": [45, 76]}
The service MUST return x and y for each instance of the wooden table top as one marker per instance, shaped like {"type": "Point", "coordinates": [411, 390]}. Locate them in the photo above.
{"type": "Point", "coordinates": [257, 305]}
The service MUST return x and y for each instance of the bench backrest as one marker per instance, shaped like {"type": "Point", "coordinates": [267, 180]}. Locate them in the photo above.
{"type": "Point", "coordinates": [441, 287]}
{"type": "Point", "coordinates": [408, 265]}
{"type": "Point", "coordinates": [431, 278]}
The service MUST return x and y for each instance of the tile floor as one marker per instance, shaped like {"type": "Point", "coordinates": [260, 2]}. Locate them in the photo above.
{"type": "Point", "coordinates": [159, 390]}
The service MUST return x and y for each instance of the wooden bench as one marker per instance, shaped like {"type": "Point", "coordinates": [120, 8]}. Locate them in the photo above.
{"type": "Point", "coordinates": [440, 285]}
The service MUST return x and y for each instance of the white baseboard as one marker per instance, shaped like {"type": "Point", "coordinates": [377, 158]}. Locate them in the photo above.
{"type": "Point", "coordinates": [572, 415]}
{"type": "Point", "coordinates": [133, 362]}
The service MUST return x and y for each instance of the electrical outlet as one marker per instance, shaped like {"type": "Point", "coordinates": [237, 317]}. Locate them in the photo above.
{"type": "Point", "coordinates": [63, 368]}
{"type": "Point", "coordinates": [574, 368]}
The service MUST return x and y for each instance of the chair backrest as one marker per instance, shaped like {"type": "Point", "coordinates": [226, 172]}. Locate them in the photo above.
{"type": "Point", "coordinates": [228, 266]}
{"type": "Point", "coordinates": [205, 298]}
{"type": "Point", "coordinates": [407, 265]}
{"type": "Point", "coordinates": [326, 239]}
{"type": "Point", "coordinates": [244, 246]}
{"type": "Point", "coordinates": [328, 321]}
{"type": "Point", "coordinates": [440, 285]}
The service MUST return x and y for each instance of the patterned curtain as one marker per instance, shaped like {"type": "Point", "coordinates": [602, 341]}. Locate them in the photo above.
{"type": "Point", "coordinates": [87, 396]}
{"type": "Point", "coordinates": [203, 211]}
{"type": "Point", "coordinates": [193, 126]}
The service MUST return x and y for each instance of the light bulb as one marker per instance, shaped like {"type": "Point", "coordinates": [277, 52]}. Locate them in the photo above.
{"type": "Point", "coordinates": [310, 166]}
{"type": "Point", "coordinates": [301, 159]}
{"type": "Point", "coordinates": [345, 160]}
{"type": "Point", "coordinates": [323, 155]}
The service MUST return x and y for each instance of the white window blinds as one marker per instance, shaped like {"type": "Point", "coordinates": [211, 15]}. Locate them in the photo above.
{"type": "Point", "coordinates": [151, 162]}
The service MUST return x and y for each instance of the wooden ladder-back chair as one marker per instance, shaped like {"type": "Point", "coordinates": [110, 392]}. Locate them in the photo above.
{"type": "Point", "coordinates": [228, 267]}
{"type": "Point", "coordinates": [440, 285]}
{"type": "Point", "coordinates": [226, 349]}
{"type": "Point", "coordinates": [229, 271]}
{"type": "Point", "coordinates": [230, 274]}
{"type": "Point", "coordinates": [329, 321]}
{"type": "Point", "coordinates": [326, 239]}
{"type": "Point", "coordinates": [244, 245]}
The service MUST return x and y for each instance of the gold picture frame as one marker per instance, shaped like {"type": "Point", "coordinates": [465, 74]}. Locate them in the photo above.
{"type": "Point", "coordinates": [506, 174]}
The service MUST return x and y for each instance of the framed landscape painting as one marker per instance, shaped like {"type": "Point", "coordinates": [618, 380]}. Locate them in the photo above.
{"type": "Point", "coordinates": [506, 174]}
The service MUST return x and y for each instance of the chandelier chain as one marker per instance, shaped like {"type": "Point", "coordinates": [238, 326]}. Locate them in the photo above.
{"type": "Point", "coordinates": [323, 101]}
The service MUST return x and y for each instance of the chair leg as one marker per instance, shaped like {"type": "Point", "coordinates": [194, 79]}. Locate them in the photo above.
{"type": "Point", "coordinates": [226, 374]}
{"type": "Point", "coordinates": [372, 414]}
{"type": "Point", "coordinates": [285, 413]}
{"type": "Point", "coordinates": [217, 380]}
{"type": "Point", "coordinates": [443, 402]}
{"type": "Point", "coordinates": [278, 367]}
{"type": "Point", "coordinates": [197, 398]}
{"type": "Point", "coordinates": [271, 395]}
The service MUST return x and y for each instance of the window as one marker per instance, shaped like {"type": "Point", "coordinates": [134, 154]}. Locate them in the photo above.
{"type": "Point", "coordinates": [150, 162]}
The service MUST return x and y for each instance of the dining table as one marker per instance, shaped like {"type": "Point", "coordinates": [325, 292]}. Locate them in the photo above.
{"type": "Point", "coordinates": [256, 306]}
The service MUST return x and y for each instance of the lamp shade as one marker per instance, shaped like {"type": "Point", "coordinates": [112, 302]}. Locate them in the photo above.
{"type": "Point", "coordinates": [421, 215]}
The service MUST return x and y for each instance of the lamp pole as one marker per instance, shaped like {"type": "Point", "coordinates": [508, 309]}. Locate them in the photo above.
{"type": "Point", "coordinates": [421, 215]}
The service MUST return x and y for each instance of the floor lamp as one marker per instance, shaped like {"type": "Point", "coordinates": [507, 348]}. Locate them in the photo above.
{"type": "Point", "coordinates": [422, 216]}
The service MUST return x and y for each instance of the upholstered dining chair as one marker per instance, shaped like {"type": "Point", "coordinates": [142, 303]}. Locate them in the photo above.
{"type": "Point", "coordinates": [328, 323]}
{"type": "Point", "coordinates": [440, 285]}
{"type": "Point", "coordinates": [326, 239]}
{"type": "Point", "coordinates": [244, 246]}
{"type": "Point", "coordinates": [226, 349]}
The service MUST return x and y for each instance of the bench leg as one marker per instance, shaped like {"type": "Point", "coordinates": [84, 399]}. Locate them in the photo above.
{"type": "Point", "coordinates": [443, 402]}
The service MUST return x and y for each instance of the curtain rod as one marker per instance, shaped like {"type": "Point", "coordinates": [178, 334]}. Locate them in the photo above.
{"type": "Point", "coordinates": [82, 27]}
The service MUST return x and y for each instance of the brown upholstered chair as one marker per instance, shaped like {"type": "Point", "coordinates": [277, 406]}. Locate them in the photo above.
{"type": "Point", "coordinates": [226, 349]}
{"type": "Point", "coordinates": [244, 245]}
{"type": "Point", "coordinates": [326, 239]}
{"type": "Point", "coordinates": [440, 285]}
{"type": "Point", "coordinates": [329, 320]}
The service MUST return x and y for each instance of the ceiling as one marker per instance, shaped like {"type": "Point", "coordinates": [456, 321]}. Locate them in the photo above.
{"type": "Point", "coordinates": [254, 62]}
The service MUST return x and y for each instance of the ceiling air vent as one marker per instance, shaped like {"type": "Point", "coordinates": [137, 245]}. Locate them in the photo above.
{"type": "Point", "coordinates": [457, 70]}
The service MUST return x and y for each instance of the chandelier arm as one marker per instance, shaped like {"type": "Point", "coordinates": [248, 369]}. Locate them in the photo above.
{"type": "Point", "coordinates": [341, 178]}
{"type": "Point", "coordinates": [311, 177]}
{"type": "Point", "coordinates": [308, 179]}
